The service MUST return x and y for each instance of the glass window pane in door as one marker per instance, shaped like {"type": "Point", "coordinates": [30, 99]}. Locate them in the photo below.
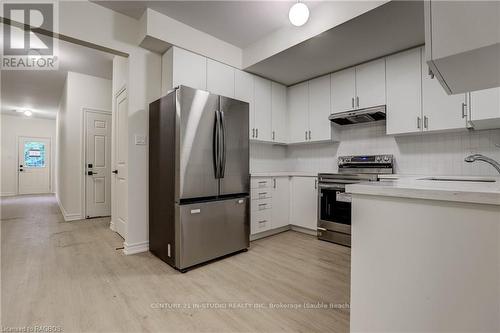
{"type": "Point", "coordinates": [34, 154]}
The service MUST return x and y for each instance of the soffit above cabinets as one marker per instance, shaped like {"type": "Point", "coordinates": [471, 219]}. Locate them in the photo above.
{"type": "Point", "coordinates": [390, 28]}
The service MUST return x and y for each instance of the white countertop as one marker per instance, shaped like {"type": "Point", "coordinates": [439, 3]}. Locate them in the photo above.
{"type": "Point", "coordinates": [285, 174]}
{"type": "Point", "coordinates": [419, 188]}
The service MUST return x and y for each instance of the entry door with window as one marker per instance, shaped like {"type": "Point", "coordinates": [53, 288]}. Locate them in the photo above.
{"type": "Point", "coordinates": [98, 164]}
{"type": "Point", "coordinates": [34, 165]}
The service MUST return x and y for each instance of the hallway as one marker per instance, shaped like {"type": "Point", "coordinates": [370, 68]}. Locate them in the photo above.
{"type": "Point", "coordinates": [70, 275]}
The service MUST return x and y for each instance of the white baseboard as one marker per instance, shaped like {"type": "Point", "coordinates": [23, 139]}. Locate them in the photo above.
{"type": "Point", "coordinates": [8, 194]}
{"type": "Point", "coordinates": [135, 248]}
{"type": "Point", "coordinates": [68, 217]}
{"type": "Point", "coordinates": [112, 226]}
{"type": "Point", "coordinates": [304, 230]}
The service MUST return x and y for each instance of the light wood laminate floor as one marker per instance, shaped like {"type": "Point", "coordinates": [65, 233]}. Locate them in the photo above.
{"type": "Point", "coordinates": [70, 275]}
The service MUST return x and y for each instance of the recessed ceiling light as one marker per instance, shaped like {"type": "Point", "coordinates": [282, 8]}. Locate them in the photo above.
{"type": "Point", "coordinates": [28, 113]}
{"type": "Point", "coordinates": [298, 14]}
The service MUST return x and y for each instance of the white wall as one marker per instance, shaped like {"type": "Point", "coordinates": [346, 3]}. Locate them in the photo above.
{"type": "Point", "coordinates": [119, 32]}
{"type": "Point", "coordinates": [429, 153]}
{"type": "Point", "coordinates": [12, 128]}
{"type": "Point", "coordinates": [80, 91]}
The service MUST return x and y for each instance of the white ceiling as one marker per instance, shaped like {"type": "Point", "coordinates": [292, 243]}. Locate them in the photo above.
{"type": "Point", "coordinates": [40, 91]}
{"type": "Point", "coordinates": [390, 28]}
{"type": "Point", "coordinates": [239, 23]}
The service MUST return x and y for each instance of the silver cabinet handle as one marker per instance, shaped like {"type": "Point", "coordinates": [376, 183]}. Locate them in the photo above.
{"type": "Point", "coordinates": [274, 182]}
{"type": "Point", "coordinates": [431, 74]}
{"type": "Point", "coordinates": [309, 134]}
{"type": "Point", "coordinates": [305, 132]}
{"type": "Point", "coordinates": [352, 102]}
{"type": "Point", "coordinates": [256, 132]}
{"type": "Point", "coordinates": [464, 114]}
{"type": "Point", "coordinates": [419, 122]}
{"type": "Point", "coordinates": [273, 135]}
{"type": "Point", "coordinates": [253, 132]}
{"type": "Point", "coordinates": [263, 221]}
{"type": "Point", "coordinates": [357, 101]}
{"type": "Point", "coordinates": [426, 122]}
{"type": "Point", "coordinates": [321, 229]}
{"type": "Point", "coordinates": [315, 183]}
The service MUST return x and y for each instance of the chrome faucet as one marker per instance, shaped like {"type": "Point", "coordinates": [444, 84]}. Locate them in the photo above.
{"type": "Point", "coordinates": [479, 157]}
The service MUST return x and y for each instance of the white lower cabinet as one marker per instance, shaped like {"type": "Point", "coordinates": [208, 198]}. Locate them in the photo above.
{"type": "Point", "coordinates": [270, 203]}
{"type": "Point", "coordinates": [303, 202]}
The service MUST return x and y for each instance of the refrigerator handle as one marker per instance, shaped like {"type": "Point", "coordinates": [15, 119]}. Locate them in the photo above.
{"type": "Point", "coordinates": [216, 144]}
{"type": "Point", "coordinates": [223, 141]}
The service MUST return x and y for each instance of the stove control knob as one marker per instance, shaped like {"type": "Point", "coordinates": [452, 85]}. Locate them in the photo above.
{"type": "Point", "coordinates": [386, 158]}
{"type": "Point", "coordinates": [377, 159]}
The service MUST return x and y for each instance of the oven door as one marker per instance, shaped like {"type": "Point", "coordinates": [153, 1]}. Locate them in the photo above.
{"type": "Point", "coordinates": [334, 208]}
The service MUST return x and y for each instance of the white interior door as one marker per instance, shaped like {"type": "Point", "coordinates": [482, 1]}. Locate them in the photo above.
{"type": "Point", "coordinates": [120, 171]}
{"type": "Point", "coordinates": [34, 165]}
{"type": "Point", "coordinates": [97, 164]}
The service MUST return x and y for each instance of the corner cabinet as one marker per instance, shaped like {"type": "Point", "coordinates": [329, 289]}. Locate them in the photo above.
{"type": "Point", "coordinates": [304, 202]}
{"type": "Point", "coordinates": [298, 117]}
{"type": "Point", "coordinates": [262, 109]}
{"type": "Point", "coordinates": [243, 90]}
{"type": "Point", "coordinates": [484, 111]}
{"type": "Point", "coordinates": [279, 133]}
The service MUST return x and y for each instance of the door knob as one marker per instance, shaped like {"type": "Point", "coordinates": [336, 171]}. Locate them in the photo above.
{"type": "Point", "coordinates": [115, 172]}
{"type": "Point", "coordinates": [90, 173]}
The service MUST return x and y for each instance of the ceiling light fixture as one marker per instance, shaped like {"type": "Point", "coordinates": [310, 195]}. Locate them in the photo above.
{"type": "Point", "coordinates": [298, 14]}
{"type": "Point", "coordinates": [28, 113]}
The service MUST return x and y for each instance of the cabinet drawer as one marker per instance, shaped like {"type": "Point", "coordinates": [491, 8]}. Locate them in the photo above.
{"type": "Point", "coordinates": [264, 204]}
{"type": "Point", "coordinates": [261, 221]}
{"type": "Point", "coordinates": [256, 183]}
{"type": "Point", "coordinates": [263, 193]}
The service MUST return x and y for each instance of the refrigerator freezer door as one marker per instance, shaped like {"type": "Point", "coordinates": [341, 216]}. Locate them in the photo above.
{"type": "Point", "coordinates": [212, 229]}
{"type": "Point", "coordinates": [235, 168]}
{"type": "Point", "coordinates": [195, 159]}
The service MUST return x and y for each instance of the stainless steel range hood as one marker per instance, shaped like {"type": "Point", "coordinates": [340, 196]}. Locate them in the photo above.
{"type": "Point", "coordinates": [366, 115]}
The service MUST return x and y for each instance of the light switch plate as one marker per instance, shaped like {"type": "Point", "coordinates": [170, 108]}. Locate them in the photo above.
{"type": "Point", "coordinates": [140, 140]}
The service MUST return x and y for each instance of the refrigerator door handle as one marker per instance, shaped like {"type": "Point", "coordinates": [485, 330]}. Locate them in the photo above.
{"type": "Point", "coordinates": [216, 144]}
{"type": "Point", "coordinates": [223, 141]}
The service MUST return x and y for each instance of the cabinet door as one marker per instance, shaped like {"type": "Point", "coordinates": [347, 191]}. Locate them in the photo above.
{"type": "Point", "coordinates": [404, 92]}
{"type": "Point", "coordinates": [319, 109]}
{"type": "Point", "coordinates": [370, 84]}
{"type": "Point", "coordinates": [298, 118]}
{"type": "Point", "coordinates": [262, 99]}
{"type": "Point", "coordinates": [220, 78]}
{"type": "Point", "coordinates": [244, 91]}
{"type": "Point", "coordinates": [189, 69]}
{"type": "Point", "coordinates": [343, 85]}
{"type": "Point", "coordinates": [304, 212]}
{"type": "Point", "coordinates": [485, 104]}
{"type": "Point", "coordinates": [278, 113]}
{"type": "Point", "coordinates": [440, 110]}
{"type": "Point", "coordinates": [281, 202]}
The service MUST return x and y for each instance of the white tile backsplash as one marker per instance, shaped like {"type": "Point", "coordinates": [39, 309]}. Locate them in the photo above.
{"type": "Point", "coordinates": [428, 153]}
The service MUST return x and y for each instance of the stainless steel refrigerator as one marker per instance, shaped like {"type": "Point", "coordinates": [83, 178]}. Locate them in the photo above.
{"type": "Point", "coordinates": [199, 181]}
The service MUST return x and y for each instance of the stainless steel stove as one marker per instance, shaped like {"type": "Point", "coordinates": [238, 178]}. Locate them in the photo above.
{"type": "Point", "coordinates": [334, 205]}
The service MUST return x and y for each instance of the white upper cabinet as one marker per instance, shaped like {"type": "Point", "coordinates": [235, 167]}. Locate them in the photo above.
{"type": "Point", "coordinates": [243, 90]}
{"type": "Point", "coordinates": [440, 110]}
{"type": "Point", "coordinates": [189, 69]}
{"type": "Point", "coordinates": [220, 78]}
{"type": "Point", "coordinates": [370, 84]}
{"type": "Point", "coordinates": [485, 108]}
{"type": "Point", "coordinates": [404, 92]}
{"type": "Point", "coordinates": [343, 90]}
{"type": "Point", "coordinates": [298, 118]}
{"type": "Point", "coordinates": [279, 120]}
{"type": "Point", "coordinates": [262, 101]}
{"type": "Point", "coordinates": [319, 109]}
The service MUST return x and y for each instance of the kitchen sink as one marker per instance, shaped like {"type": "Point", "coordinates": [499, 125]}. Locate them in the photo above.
{"type": "Point", "coordinates": [460, 179]}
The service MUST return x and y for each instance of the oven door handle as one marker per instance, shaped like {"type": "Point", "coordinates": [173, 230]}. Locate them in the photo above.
{"type": "Point", "coordinates": [332, 187]}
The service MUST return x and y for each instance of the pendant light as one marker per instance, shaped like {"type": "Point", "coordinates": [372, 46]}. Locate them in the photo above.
{"type": "Point", "coordinates": [298, 14]}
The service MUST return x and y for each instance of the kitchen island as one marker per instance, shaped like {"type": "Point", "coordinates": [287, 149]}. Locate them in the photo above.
{"type": "Point", "coordinates": [426, 255]}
